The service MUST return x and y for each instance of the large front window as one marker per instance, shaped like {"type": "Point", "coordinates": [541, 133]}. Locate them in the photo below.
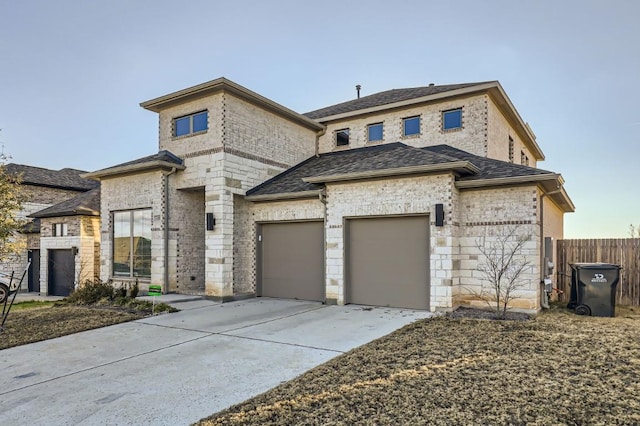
{"type": "Point", "coordinates": [132, 244]}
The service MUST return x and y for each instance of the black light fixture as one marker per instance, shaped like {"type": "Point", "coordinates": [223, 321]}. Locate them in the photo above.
{"type": "Point", "coordinates": [74, 250]}
{"type": "Point", "coordinates": [439, 215]}
{"type": "Point", "coordinates": [211, 221]}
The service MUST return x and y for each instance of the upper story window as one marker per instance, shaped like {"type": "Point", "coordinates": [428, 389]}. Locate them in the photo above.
{"type": "Point", "coordinates": [511, 149]}
{"type": "Point", "coordinates": [411, 126]}
{"type": "Point", "coordinates": [189, 124]}
{"type": "Point", "coordinates": [374, 132]}
{"type": "Point", "coordinates": [452, 119]}
{"type": "Point", "coordinates": [524, 159]}
{"type": "Point", "coordinates": [60, 230]}
{"type": "Point", "coordinates": [342, 137]}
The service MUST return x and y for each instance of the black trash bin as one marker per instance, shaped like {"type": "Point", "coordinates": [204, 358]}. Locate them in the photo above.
{"type": "Point", "coordinates": [593, 288]}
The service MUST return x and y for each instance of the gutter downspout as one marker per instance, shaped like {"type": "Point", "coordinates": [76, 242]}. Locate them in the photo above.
{"type": "Point", "coordinates": [544, 302]}
{"type": "Point", "coordinates": [322, 196]}
{"type": "Point", "coordinates": [318, 136]}
{"type": "Point", "coordinates": [165, 284]}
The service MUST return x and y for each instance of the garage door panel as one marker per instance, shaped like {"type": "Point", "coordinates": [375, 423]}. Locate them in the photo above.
{"type": "Point", "coordinates": [388, 262]}
{"type": "Point", "coordinates": [293, 260]}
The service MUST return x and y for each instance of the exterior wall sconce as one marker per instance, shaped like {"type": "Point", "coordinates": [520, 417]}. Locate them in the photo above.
{"type": "Point", "coordinates": [439, 215]}
{"type": "Point", "coordinates": [211, 221]}
{"type": "Point", "coordinates": [74, 250]}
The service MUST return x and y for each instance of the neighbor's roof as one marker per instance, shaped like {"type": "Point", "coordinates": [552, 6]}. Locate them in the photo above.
{"type": "Point", "coordinates": [307, 179]}
{"type": "Point", "coordinates": [162, 160]}
{"type": "Point", "coordinates": [69, 179]}
{"type": "Point", "coordinates": [85, 204]}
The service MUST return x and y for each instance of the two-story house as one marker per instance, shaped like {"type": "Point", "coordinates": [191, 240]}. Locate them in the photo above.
{"type": "Point", "coordinates": [58, 247]}
{"type": "Point", "coordinates": [381, 200]}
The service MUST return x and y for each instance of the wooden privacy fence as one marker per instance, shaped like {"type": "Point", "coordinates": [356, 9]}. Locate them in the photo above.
{"type": "Point", "coordinates": [624, 252]}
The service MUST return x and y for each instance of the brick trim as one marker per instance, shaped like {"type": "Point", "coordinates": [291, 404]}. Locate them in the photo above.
{"type": "Point", "coordinates": [238, 153]}
{"type": "Point", "coordinates": [500, 222]}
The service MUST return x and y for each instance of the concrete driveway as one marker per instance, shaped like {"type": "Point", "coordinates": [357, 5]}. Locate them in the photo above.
{"type": "Point", "coordinates": [174, 369]}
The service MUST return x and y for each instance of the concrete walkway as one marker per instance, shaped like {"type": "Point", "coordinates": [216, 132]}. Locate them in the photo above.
{"type": "Point", "coordinates": [174, 369]}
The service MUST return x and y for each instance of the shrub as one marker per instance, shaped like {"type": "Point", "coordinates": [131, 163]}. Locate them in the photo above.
{"type": "Point", "coordinates": [135, 289]}
{"type": "Point", "coordinates": [91, 292]}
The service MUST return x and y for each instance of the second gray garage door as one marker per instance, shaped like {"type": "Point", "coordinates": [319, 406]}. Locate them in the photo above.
{"type": "Point", "coordinates": [388, 261]}
{"type": "Point", "coordinates": [292, 260]}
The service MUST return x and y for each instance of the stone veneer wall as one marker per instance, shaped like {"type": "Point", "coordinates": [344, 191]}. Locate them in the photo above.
{"type": "Point", "coordinates": [195, 143]}
{"type": "Point", "coordinates": [485, 214]}
{"type": "Point", "coordinates": [401, 196]}
{"type": "Point", "coordinates": [136, 191]}
{"type": "Point", "coordinates": [472, 137]}
{"type": "Point", "coordinates": [248, 216]}
{"type": "Point", "coordinates": [187, 230]}
{"type": "Point", "coordinates": [499, 131]}
{"type": "Point", "coordinates": [471, 217]}
{"type": "Point", "coordinates": [264, 136]}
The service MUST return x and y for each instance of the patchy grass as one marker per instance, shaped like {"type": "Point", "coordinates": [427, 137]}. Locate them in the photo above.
{"type": "Point", "coordinates": [558, 368]}
{"type": "Point", "coordinates": [31, 304]}
{"type": "Point", "coordinates": [30, 322]}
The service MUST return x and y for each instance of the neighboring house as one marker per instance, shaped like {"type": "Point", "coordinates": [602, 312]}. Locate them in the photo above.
{"type": "Point", "coordinates": [44, 188]}
{"type": "Point", "coordinates": [69, 242]}
{"type": "Point", "coordinates": [381, 200]}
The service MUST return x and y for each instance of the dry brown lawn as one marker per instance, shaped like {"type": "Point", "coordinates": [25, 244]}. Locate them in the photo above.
{"type": "Point", "coordinates": [556, 369]}
{"type": "Point", "coordinates": [41, 323]}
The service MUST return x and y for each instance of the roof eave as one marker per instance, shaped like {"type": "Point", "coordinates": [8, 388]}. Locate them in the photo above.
{"type": "Point", "coordinates": [77, 212]}
{"type": "Point", "coordinates": [408, 102]}
{"type": "Point", "coordinates": [502, 100]}
{"type": "Point", "coordinates": [284, 196]}
{"type": "Point", "coordinates": [132, 169]}
{"type": "Point", "coordinates": [454, 166]}
{"type": "Point", "coordinates": [551, 183]}
{"type": "Point", "coordinates": [223, 84]}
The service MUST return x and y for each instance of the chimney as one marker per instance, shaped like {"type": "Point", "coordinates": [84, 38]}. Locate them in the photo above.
{"type": "Point", "coordinates": [358, 87]}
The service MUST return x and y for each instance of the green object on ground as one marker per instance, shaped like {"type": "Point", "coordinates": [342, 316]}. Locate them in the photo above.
{"type": "Point", "coordinates": [155, 290]}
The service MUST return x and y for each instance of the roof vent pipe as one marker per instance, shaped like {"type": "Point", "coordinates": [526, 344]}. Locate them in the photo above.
{"type": "Point", "coordinates": [358, 87]}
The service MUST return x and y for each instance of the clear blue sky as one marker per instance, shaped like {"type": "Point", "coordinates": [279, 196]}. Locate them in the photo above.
{"type": "Point", "coordinates": [72, 74]}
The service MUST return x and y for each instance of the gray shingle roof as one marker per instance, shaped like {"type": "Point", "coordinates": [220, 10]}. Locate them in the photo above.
{"type": "Point", "coordinates": [162, 159]}
{"type": "Point", "coordinates": [85, 204]}
{"type": "Point", "coordinates": [384, 98]}
{"type": "Point", "coordinates": [383, 157]}
{"type": "Point", "coordinates": [62, 179]}
{"type": "Point", "coordinates": [489, 168]}
{"type": "Point", "coordinates": [160, 156]}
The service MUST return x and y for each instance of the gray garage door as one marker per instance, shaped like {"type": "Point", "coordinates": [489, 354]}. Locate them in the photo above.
{"type": "Point", "coordinates": [61, 272]}
{"type": "Point", "coordinates": [292, 260]}
{"type": "Point", "coordinates": [388, 262]}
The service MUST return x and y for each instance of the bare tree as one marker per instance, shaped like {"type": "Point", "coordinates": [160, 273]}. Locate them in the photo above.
{"type": "Point", "coordinates": [11, 199]}
{"type": "Point", "coordinates": [634, 231]}
{"type": "Point", "coordinates": [502, 267]}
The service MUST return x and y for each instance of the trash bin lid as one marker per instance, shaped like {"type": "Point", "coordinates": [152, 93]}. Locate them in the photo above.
{"type": "Point", "coordinates": [585, 265]}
